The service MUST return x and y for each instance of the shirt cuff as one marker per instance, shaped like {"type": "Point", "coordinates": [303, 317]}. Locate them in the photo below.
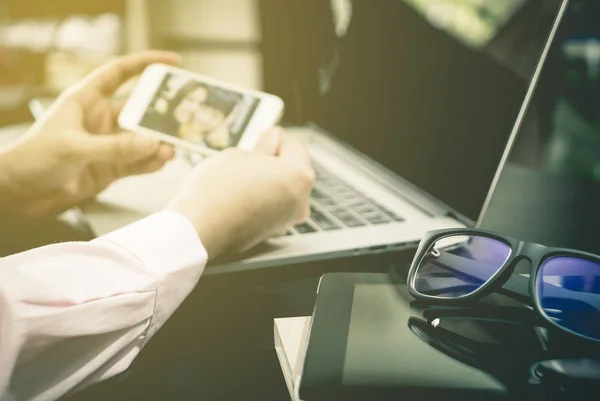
{"type": "Point", "coordinates": [168, 246]}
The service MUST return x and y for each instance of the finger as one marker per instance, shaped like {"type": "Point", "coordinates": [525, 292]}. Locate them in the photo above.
{"type": "Point", "coordinates": [98, 119]}
{"type": "Point", "coordinates": [282, 232]}
{"type": "Point", "coordinates": [116, 106]}
{"type": "Point", "coordinates": [269, 141]}
{"type": "Point", "coordinates": [50, 204]}
{"type": "Point", "coordinates": [38, 207]}
{"type": "Point", "coordinates": [119, 148]}
{"type": "Point", "coordinates": [145, 167]}
{"type": "Point", "coordinates": [109, 77]}
{"type": "Point", "coordinates": [165, 152]}
{"type": "Point", "coordinates": [293, 148]}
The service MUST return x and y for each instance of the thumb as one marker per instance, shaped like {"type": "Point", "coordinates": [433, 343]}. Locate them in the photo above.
{"type": "Point", "coordinates": [122, 147]}
{"type": "Point", "coordinates": [269, 141]}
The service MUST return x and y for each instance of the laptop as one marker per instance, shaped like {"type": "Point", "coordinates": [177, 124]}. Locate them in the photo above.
{"type": "Point", "coordinates": [410, 132]}
{"type": "Point", "coordinates": [380, 189]}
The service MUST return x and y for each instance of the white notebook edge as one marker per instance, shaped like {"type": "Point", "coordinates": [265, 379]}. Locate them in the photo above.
{"type": "Point", "coordinates": [291, 336]}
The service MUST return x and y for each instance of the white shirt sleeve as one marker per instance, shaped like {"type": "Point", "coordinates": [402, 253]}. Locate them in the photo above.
{"type": "Point", "coordinates": [73, 314]}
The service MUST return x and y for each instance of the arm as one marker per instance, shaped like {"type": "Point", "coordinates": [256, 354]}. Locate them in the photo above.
{"type": "Point", "coordinates": [76, 313]}
{"type": "Point", "coordinates": [73, 314]}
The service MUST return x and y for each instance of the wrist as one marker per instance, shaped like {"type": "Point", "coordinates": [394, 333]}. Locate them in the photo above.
{"type": "Point", "coordinates": [202, 223]}
{"type": "Point", "coordinates": [9, 188]}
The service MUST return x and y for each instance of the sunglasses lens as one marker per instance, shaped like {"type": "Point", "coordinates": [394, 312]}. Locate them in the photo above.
{"type": "Point", "coordinates": [459, 265]}
{"type": "Point", "coordinates": [568, 289]}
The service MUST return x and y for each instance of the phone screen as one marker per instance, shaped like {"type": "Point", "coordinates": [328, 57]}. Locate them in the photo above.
{"type": "Point", "coordinates": [198, 112]}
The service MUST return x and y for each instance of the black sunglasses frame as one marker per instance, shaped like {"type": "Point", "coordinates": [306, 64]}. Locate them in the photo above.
{"type": "Point", "coordinates": [503, 280]}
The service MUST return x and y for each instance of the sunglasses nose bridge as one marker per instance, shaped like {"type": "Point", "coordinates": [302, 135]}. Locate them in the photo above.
{"type": "Point", "coordinates": [529, 250]}
{"type": "Point", "coordinates": [523, 252]}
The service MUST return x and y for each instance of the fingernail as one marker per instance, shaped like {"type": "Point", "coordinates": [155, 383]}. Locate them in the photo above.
{"type": "Point", "coordinates": [166, 152]}
{"type": "Point", "coordinates": [178, 57]}
{"type": "Point", "coordinates": [146, 144]}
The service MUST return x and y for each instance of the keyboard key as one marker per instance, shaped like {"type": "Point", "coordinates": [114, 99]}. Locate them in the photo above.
{"type": "Point", "coordinates": [337, 188]}
{"type": "Point", "coordinates": [377, 218]}
{"type": "Point", "coordinates": [325, 178]}
{"type": "Point", "coordinates": [366, 209]}
{"type": "Point", "coordinates": [326, 202]}
{"type": "Point", "coordinates": [316, 194]}
{"type": "Point", "coordinates": [327, 182]}
{"type": "Point", "coordinates": [334, 196]}
{"type": "Point", "coordinates": [391, 214]}
{"type": "Point", "coordinates": [304, 228]}
{"type": "Point", "coordinates": [343, 199]}
{"type": "Point", "coordinates": [347, 218]}
{"type": "Point", "coordinates": [322, 221]}
{"type": "Point", "coordinates": [340, 192]}
{"type": "Point", "coordinates": [353, 199]}
{"type": "Point", "coordinates": [395, 217]}
{"type": "Point", "coordinates": [321, 172]}
{"type": "Point", "coordinates": [356, 202]}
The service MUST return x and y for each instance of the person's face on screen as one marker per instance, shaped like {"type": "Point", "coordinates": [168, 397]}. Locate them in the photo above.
{"type": "Point", "coordinates": [193, 109]}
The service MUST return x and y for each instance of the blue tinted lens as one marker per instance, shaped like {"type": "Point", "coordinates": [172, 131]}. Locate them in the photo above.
{"type": "Point", "coordinates": [569, 292]}
{"type": "Point", "coordinates": [459, 265]}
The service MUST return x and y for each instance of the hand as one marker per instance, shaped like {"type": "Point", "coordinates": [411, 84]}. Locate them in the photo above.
{"type": "Point", "coordinates": [237, 199]}
{"type": "Point", "coordinates": [74, 152]}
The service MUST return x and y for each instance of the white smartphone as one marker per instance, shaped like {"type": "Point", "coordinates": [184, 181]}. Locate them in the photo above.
{"type": "Point", "coordinates": [196, 112]}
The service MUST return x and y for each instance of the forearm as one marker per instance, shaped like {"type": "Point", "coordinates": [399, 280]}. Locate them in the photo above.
{"type": "Point", "coordinates": [9, 192]}
{"type": "Point", "coordinates": [76, 313]}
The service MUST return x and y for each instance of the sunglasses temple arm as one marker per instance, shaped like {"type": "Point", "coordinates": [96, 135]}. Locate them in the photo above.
{"type": "Point", "coordinates": [502, 314]}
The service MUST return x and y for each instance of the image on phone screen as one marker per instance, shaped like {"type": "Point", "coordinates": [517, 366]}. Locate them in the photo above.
{"type": "Point", "coordinates": [198, 112]}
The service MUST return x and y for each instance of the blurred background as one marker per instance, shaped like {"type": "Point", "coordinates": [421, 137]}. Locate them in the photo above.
{"type": "Point", "coordinates": [46, 46]}
{"type": "Point", "coordinates": [295, 49]}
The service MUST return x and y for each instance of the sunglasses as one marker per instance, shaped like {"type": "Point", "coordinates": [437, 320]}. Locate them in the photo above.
{"type": "Point", "coordinates": [462, 265]}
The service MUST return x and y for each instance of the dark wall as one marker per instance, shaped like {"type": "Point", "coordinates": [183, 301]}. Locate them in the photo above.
{"type": "Point", "coordinates": [298, 38]}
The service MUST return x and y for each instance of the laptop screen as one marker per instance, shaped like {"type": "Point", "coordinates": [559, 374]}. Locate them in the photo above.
{"type": "Point", "coordinates": [554, 197]}
{"type": "Point", "coordinates": [431, 89]}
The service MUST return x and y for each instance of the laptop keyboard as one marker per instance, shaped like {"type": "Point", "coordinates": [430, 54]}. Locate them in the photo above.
{"type": "Point", "coordinates": [335, 205]}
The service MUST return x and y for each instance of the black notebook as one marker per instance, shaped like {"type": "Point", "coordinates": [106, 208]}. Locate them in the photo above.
{"type": "Point", "coordinates": [368, 341]}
